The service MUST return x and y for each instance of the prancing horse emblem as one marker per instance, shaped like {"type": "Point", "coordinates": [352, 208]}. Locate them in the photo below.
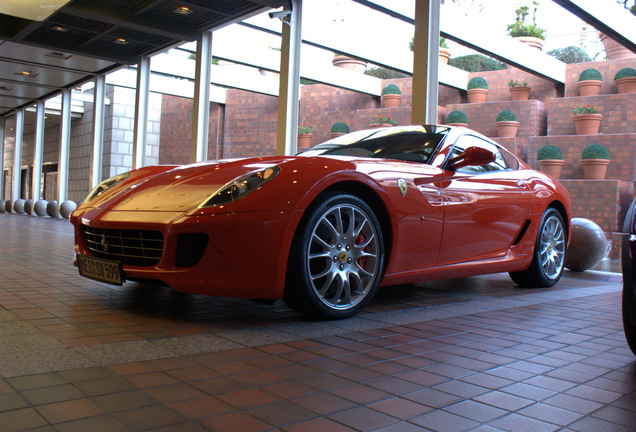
{"type": "Point", "coordinates": [104, 243]}
{"type": "Point", "coordinates": [402, 186]}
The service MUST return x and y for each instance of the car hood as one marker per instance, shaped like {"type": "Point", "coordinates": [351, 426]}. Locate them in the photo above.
{"type": "Point", "coordinates": [182, 188]}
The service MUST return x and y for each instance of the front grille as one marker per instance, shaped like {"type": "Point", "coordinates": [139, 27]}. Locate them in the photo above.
{"type": "Point", "coordinates": [130, 247]}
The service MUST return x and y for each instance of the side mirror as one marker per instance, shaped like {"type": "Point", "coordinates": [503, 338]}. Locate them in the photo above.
{"type": "Point", "coordinates": [472, 156]}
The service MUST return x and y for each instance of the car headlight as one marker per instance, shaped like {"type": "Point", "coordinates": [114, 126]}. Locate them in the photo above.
{"type": "Point", "coordinates": [105, 185]}
{"type": "Point", "coordinates": [241, 186]}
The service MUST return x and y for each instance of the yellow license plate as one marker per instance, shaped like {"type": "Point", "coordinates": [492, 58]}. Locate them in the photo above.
{"type": "Point", "coordinates": [100, 269]}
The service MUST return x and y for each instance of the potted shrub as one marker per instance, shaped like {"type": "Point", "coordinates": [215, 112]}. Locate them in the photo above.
{"type": "Point", "coordinates": [524, 32]}
{"type": "Point", "coordinates": [339, 128]}
{"type": "Point", "coordinates": [477, 90]}
{"type": "Point", "coordinates": [444, 52]}
{"type": "Point", "coordinates": [626, 80]}
{"type": "Point", "coordinates": [587, 120]}
{"type": "Point", "coordinates": [590, 82]}
{"type": "Point", "coordinates": [507, 124]}
{"type": "Point", "coordinates": [457, 118]}
{"type": "Point", "coordinates": [550, 160]}
{"type": "Point", "coordinates": [595, 159]}
{"type": "Point", "coordinates": [391, 96]}
{"type": "Point", "coordinates": [383, 121]}
{"type": "Point", "coordinates": [519, 90]}
{"type": "Point", "coordinates": [304, 135]}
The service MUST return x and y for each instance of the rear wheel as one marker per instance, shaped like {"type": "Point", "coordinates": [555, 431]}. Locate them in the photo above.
{"type": "Point", "coordinates": [548, 258]}
{"type": "Point", "coordinates": [336, 260]}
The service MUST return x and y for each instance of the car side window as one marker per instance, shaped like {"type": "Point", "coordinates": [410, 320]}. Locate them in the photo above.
{"type": "Point", "coordinates": [499, 164]}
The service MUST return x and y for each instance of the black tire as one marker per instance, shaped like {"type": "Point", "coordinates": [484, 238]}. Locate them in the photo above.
{"type": "Point", "coordinates": [548, 258]}
{"type": "Point", "coordinates": [629, 290]}
{"type": "Point", "coordinates": [335, 266]}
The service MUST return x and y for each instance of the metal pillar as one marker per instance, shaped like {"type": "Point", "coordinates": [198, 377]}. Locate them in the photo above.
{"type": "Point", "coordinates": [201, 103]}
{"type": "Point", "coordinates": [36, 182]}
{"type": "Point", "coordinates": [65, 144]}
{"type": "Point", "coordinates": [17, 156]}
{"type": "Point", "coordinates": [425, 62]}
{"type": "Point", "coordinates": [95, 174]}
{"type": "Point", "coordinates": [289, 90]}
{"type": "Point", "coordinates": [2, 135]}
{"type": "Point", "coordinates": [141, 112]}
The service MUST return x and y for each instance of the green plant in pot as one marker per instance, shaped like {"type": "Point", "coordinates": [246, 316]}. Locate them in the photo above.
{"type": "Point", "coordinates": [595, 159]}
{"type": "Point", "coordinates": [391, 96]}
{"type": "Point", "coordinates": [383, 121]}
{"type": "Point", "coordinates": [519, 90]}
{"type": "Point", "coordinates": [457, 118]}
{"type": "Point", "coordinates": [477, 89]}
{"type": "Point", "coordinates": [587, 119]}
{"type": "Point", "coordinates": [626, 80]}
{"type": "Point", "coordinates": [590, 82]}
{"type": "Point", "coordinates": [550, 160]}
{"type": "Point", "coordinates": [339, 128]}
{"type": "Point", "coordinates": [528, 33]}
{"type": "Point", "coordinates": [507, 124]}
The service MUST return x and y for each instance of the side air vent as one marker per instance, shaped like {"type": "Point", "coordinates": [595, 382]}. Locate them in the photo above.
{"type": "Point", "coordinates": [522, 233]}
{"type": "Point", "coordinates": [190, 248]}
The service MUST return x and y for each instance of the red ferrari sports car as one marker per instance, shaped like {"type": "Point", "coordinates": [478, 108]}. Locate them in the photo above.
{"type": "Point", "coordinates": [323, 229]}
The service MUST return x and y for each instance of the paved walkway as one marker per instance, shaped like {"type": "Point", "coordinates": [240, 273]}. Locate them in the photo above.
{"type": "Point", "coordinates": [465, 354]}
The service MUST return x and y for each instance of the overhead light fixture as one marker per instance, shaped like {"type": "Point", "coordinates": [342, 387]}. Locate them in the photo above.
{"type": "Point", "coordinates": [120, 41]}
{"type": "Point", "coordinates": [6, 88]}
{"type": "Point", "coordinates": [58, 55]}
{"type": "Point", "coordinates": [59, 28]}
{"type": "Point", "coordinates": [183, 10]}
{"type": "Point", "coordinates": [27, 74]}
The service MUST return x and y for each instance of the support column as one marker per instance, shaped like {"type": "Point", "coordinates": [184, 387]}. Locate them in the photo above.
{"type": "Point", "coordinates": [65, 144]}
{"type": "Point", "coordinates": [17, 157]}
{"type": "Point", "coordinates": [36, 182]}
{"type": "Point", "coordinates": [201, 103]}
{"type": "Point", "coordinates": [2, 135]}
{"type": "Point", "coordinates": [289, 90]}
{"type": "Point", "coordinates": [141, 112]}
{"type": "Point", "coordinates": [425, 62]}
{"type": "Point", "coordinates": [95, 174]}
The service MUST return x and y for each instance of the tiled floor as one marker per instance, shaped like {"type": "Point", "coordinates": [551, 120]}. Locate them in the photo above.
{"type": "Point", "coordinates": [466, 354]}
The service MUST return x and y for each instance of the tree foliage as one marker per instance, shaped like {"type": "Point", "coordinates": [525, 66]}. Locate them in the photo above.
{"type": "Point", "coordinates": [570, 54]}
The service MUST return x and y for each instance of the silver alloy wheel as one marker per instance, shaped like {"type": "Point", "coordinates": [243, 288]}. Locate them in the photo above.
{"type": "Point", "coordinates": [552, 248]}
{"type": "Point", "coordinates": [343, 256]}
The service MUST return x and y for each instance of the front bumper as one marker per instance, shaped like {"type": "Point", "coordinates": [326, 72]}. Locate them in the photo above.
{"type": "Point", "coordinates": [245, 254]}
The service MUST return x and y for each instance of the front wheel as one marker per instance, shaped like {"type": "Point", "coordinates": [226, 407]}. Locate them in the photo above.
{"type": "Point", "coordinates": [548, 258]}
{"type": "Point", "coordinates": [629, 289]}
{"type": "Point", "coordinates": [336, 261]}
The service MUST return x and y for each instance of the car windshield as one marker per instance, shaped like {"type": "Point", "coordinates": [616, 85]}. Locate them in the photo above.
{"type": "Point", "coordinates": [405, 143]}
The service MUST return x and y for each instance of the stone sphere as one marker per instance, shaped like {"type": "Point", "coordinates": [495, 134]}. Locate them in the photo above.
{"type": "Point", "coordinates": [67, 208]}
{"type": "Point", "coordinates": [7, 206]}
{"type": "Point", "coordinates": [52, 210]}
{"type": "Point", "coordinates": [18, 206]}
{"type": "Point", "coordinates": [28, 206]}
{"type": "Point", "coordinates": [40, 207]}
{"type": "Point", "coordinates": [588, 245]}
{"type": "Point", "coordinates": [2, 208]}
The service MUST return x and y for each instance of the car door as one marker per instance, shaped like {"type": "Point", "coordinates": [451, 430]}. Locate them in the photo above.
{"type": "Point", "coordinates": [484, 206]}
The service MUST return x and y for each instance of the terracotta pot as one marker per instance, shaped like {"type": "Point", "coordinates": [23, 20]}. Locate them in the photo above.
{"type": "Point", "coordinates": [551, 167]}
{"type": "Point", "coordinates": [595, 169]}
{"type": "Point", "coordinates": [589, 87]}
{"type": "Point", "coordinates": [337, 134]}
{"type": "Point", "coordinates": [477, 95]}
{"type": "Point", "coordinates": [457, 124]}
{"type": "Point", "coordinates": [626, 85]}
{"type": "Point", "coordinates": [613, 49]}
{"type": "Point", "coordinates": [587, 124]}
{"type": "Point", "coordinates": [349, 63]}
{"type": "Point", "coordinates": [444, 55]}
{"type": "Point", "coordinates": [532, 42]}
{"type": "Point", "coordinates": [379, 125]}
{"type": "Point", "coordinates": [507, 129]}
{"type": "Point", "coordinates": [391, 100]}
{"type": "Point", "coordinates": [304, 140]}
{"type": "Point", "coordinates": [519, 93]}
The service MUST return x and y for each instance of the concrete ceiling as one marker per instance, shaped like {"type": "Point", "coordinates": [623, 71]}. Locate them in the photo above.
{"type": "Point", "coordinates": [89, 37]}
